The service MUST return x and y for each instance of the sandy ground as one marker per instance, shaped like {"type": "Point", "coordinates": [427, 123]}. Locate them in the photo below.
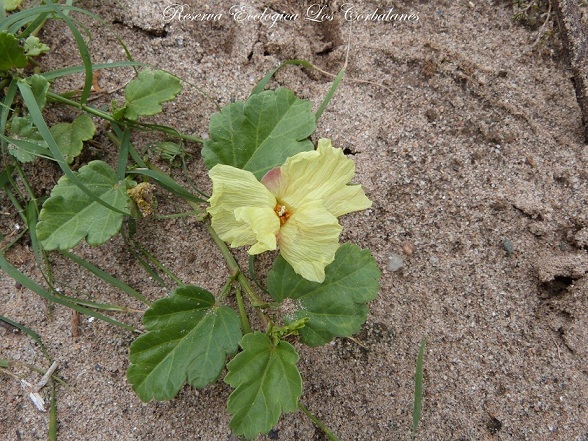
{"type": "Point", "coordinates": [467, 138]}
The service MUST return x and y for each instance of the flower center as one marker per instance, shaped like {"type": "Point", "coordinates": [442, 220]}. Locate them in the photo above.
{"type": "Point", "coordinates": [282, 213]}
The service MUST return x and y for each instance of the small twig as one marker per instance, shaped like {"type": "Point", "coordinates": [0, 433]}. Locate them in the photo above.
{"type": "Point", "coordinates": [33, 391]}
{"type": "Point", "coordinates": [46, 377]}
{"type": "Point", "coordinates": [557, 346]}
{"type": "Point", "coordinates": [75, 323]}
{"type": "Point", "coordinates": [543, 26]}
{"type": "Point", "coordinates": [357, 342]}
{"type": "Point", "coordinates": [574, 37]}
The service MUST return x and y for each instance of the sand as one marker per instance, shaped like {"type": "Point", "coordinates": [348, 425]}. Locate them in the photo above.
{"type": "Point", "coordinates": [466, 135]}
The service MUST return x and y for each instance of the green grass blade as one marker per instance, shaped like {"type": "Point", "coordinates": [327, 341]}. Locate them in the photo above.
{"type": "Point", "coordinates": [58, 73]}
{"type": "Point", "coordinates": [27, 146]}
{"type": "Point", "coordinates": [251, 267]}
{"type": "Point", "coordinates": [20, 210]}
{"type": "Point", "coordinates": [34, 25]}
{"type": "Point", "coordinates": [7, 107]}
{"type": "Point", "coordinates": [166, 182]}
{"type": "Point", "coordinates": [53, 415]}
{"type": "Point", "coordinates": [123, 154]}
{"type": "Point", "coordinates": [5, 176]}
{"type": "Point", "coordinates": [29, 283]}
{"type": "Point", "coordinates": [14, 240]}
{"type": "Point", "coordinates": [196, 213]}
{"type": "Point", "coordinates": [15, 21]}
{"type": "Point", "coordinates": [130, 245]}
{"type": "Point", "coordinates": [38, 120]}
{"type": "Point", "coordinates": [30, 333]}
{"type": "Point", "coordinates": [418, 390]}
{"type": "Point", "coordinates": [108, 278]}
{"type": "Point", "coordinates": [330, 94]}
{"type": "Point", "coordinates": [319, 423]}
{"type": "Point", "coordinates": [261, 85]}
{"type": "Point", "coordinates": [116, 139]}
{"type": "Point", "coordinates": [40, 256]}
{"type": "Point", "coordinates": [95, 305]}
{"type": "Point", "coordinates": [84, 54]}
{"type": "Point", "coordinates": [151, 258]}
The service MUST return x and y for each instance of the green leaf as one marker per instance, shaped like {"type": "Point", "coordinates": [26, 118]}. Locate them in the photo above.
{"type": "Point", "coordinates": [13, 53]}
{"type": "Point", "coordinates": [34, 47]}
{"type": "Point", "coordinates": [336, 307]}
{"type": "Point", "coordinates": [27, 142]}
{"type": "Point", "coordinates": [277, 333]}
{"type": "Point", "coordinates": [189, 339]}
{"type": "Point", "coordinates": [69, 215]}
{"type": "Point", "coordinates": [145, 94]}
{"type": "Point", "coordinates": [260, 133]}
{"type": "Point", "coordinates": [266, 382]}
{"type": "Point", "coordinates": [40, 87]}
{"type": "Point", "coordinates": [70, 136]}
{"type": "Point", "coordinates": [11, 5]}
{"type": "Point", "coordinates": [168, 150]}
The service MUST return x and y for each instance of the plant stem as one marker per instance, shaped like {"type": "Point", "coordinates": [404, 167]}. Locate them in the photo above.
{"type": "Point", "coordinates": [242, 312]}
{"type": "Point", "coordinates": [238, 275]}
{"type": "Point", "coordinates": [109, 117]}
{"type": "Point", "coordinates": [226, 289]}
{"type": "Point", "coordinates": [318, 422]}
{"type": "Point", "coordinates": [104, 115]}
{"type": "Point", "coordinates": [234, 266]}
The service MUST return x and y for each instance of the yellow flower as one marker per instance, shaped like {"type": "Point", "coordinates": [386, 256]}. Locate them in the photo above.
{"type": "Point", "coordinates": [294, 206]}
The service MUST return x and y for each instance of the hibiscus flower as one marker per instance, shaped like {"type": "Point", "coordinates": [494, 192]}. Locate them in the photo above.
{"type": "Point", "coordinates": [295, 207]}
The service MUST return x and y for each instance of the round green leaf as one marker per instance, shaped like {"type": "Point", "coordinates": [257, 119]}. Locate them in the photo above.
{"type": "Point", "coordinates": [26, 142]}
{"type": "Point", "coordinates": [336, 307]}
{"type": "Point", "coordinates": [40, 87]}
{"type": "Point", "coordinates": [260, 133]}
{"type": "Point", "coordinates": [145, 94]}
{"type": "Point", "coordinates": [11, 5]}
{"type": "Point", "coordinates": [13, 53]}
{"type": "Point", "coordinates": [189, 339]}
{"type": "Point", "coordinates": [70, 137]}
{"type": "Point", "coordinates": [69, 215]}
{"type": "Point", "coordinates": [34, 47]}
{"type": "Point", "coordinates": [266, 382]}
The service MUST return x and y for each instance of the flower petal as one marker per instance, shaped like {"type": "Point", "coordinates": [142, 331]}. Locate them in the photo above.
{"type": "Point", "coordinates": [264, 223]}
{"type": "Point", "coordinates": [318, 175]}
{"type": "Point", "coordinates": [233, 188]}
{"type": "Point", "coordinates": [309, 239]}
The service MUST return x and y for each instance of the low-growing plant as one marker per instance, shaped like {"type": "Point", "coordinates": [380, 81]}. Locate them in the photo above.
{"type": "Point", "coordinates": [271, 190]}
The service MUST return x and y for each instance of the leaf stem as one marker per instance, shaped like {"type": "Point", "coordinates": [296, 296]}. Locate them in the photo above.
{"type": "Point", "coordinates": [234, 266]}
{"type": "Point", "coordinates": [242, 312]}
{"type": "Point", "coordinates": [318, 422]}
{"type": "Point", "coordinates": [99, 113]}
{"type": "Point", "coordinates": [226, 289]}
{"type": "Point", "coordinates": [238, 274]}
{"type": "Point", "coordinates": [134, 124]}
